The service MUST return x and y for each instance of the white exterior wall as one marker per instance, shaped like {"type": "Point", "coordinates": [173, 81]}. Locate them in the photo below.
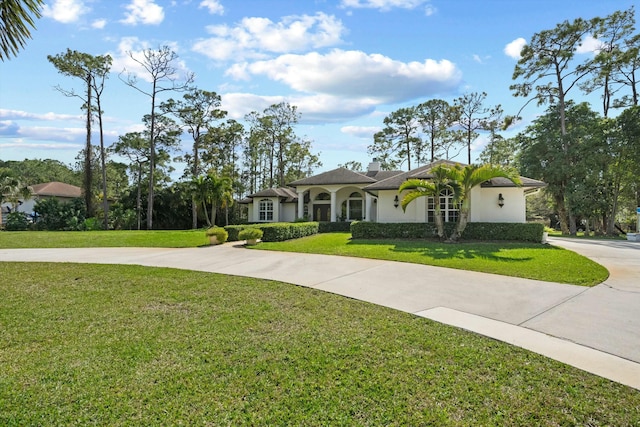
{"type": "Point", "coordinates": [387, 212]}
{"type": "Point", "coordinates": [282, 212]}
{"type": "Point", "coordinates": [485, 208]}
{"type": "Point", "coordinates": [288, 212]}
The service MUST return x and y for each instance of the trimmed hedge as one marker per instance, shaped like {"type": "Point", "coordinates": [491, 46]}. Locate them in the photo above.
{"type": "Point", "coordinates": [276, 232]}
{"type": "Point", "coordinates": [332, 227]}
{"type": "Point", "coordinates": [529, 232]}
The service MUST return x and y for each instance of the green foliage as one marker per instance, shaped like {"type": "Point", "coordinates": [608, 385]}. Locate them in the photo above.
{"type": "Point", "coordinates": [276, 232]}
{"type": "Point", "coordinates": [250, 233]}
{"type": "Point", "coordinates": [380, 230]}
{"type": "Point", "coordinates": [17, 221]}
{"type": "Point", "coordinates": [221, 234]}
{"type": "Point", "coordinates": [18, 17]}
{"type": "Point", "coordinates": [529, 232]}
{"type": "Point", "coordinates": [92, 224]}
{"type": "Point", "coordinates": [54, 215]}
{"type": "Point", "coordinates": [233, 231]}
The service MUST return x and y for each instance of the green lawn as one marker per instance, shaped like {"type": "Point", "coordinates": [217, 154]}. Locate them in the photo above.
{"type": "Point", "coordinates": [130, 345]}
{"type": "Point", "coordinates": [528, 260]}
{"type": "Point", "coordinates": [102, 239]}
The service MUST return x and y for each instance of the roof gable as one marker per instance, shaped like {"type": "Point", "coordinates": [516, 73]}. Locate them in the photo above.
{"type": "Point", "coordinates": [335, 176]}
{"type": "Point", "coordinates": [57, 189]}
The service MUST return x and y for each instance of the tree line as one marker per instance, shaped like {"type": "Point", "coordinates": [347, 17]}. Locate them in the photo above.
{"type": "Point", "coordinates": [226, 159]}
{"type": "Point", "coordinates": [590, 160]}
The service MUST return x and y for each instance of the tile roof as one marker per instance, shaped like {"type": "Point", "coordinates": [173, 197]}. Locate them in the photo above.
{"type": "Point", "coordinates": [57, 189]}
{"type": "Point", "coordinates": [288, 193]}
{"type": "Point", "coordinates": [394, 182]}
{"type": "Point", "coordinates": [335, 176]}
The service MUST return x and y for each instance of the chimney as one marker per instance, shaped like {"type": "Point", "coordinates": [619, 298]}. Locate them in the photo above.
{"type": "Point", "coordinates": [374, 166]}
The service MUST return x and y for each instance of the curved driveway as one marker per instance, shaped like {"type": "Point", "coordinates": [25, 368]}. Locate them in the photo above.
{"type": "Point", "coordinates": [596, 329]}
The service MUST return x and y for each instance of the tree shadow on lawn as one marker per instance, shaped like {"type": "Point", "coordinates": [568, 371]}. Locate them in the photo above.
{"type": "Point", "coordinates": [492, 251]}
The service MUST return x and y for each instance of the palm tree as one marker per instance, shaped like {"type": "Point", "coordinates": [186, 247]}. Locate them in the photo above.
{"type": "Point", "coordinates": [467, 178]}
{"type": "Point", "coordinates": [220, 190]}
{"type": "Point", "coordinates": [14, 27]}
{"type": "Point", "coordinates": [440, 183]}
{"type": "Point", "coordinates": [214, 190]}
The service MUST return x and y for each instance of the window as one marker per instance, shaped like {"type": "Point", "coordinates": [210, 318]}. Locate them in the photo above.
{"type": "Point", "coordinates": [449, 209]}
{"type": "Point", "coordinates": [352, 207]}
{"type": "Point", "coordinates": [265, 210]}
{"type": "Point", "coordinates": [323, 196]}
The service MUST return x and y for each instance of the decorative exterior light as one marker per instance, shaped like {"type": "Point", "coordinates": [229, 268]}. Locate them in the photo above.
{"type": "Point", "coordinates": [500, 200]}
{"type": "Point", "coordinates": [396, 202]}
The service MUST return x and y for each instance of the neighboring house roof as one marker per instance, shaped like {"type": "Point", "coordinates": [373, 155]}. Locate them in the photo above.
{"type": "Point", "coordinates": [57, 189]}
{"type": "Point", "coordinates": [335, 176]}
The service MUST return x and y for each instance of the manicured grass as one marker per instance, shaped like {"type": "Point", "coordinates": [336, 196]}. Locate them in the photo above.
{"type": "Point", "coordinates": [532, 261]}
{"type": "Point", "coordinates": [129, 345]}
{"type": "Point", "coordinates": [103, 239]}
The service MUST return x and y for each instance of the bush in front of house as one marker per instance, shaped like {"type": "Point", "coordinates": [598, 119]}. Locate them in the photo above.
{"type": "Point", "coordinates": [528, 232]}
{"type": "Point", "coordinates": [220, 233]}
{"type": "Point", "coordinates": [523, 232]}
{"type": "Point", "coordinates": [250, 233]}
{"type": "Point", "coordinates": [277, 231]}
{"type": "Point", "coordinates": [281, 231]}
{"type": "Point", "coordinates": [17, 221]}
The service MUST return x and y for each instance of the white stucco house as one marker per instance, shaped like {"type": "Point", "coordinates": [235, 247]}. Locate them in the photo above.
{"type": "Point", "coordinates": [58, 190]}
{"type": "Point", "coordinates": [345, 195]}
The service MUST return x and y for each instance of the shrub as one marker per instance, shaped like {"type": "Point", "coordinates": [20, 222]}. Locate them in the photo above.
{"type": "Point", "coordinates": [17, 221]}
{"type": "Point", "coordinates": [529, 232]}
{"type": "Point", "coordinates": [219, 232]}
{"type": "Point", "coordinates": [276, 232]}
{"type": "Point", "coordinates": [233, 231]}
{"type": "Point", "coordinates": [250, 233]}
{"type": "Point", "coordinates": [281, 231]}
{"type": "Point", "coordinates": [92, 224]}
{"type": "Point", "coordinates": [55, 215]}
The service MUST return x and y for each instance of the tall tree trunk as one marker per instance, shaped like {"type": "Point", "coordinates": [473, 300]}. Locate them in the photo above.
{"type": "Point", "coordinates": [152, 160]}
{"type": "Point", "coordinates": [139, 197]}
{"type": "Point", "coordinates": [88, 173]}
{"type": "Point", "coordinates": [103, 162]}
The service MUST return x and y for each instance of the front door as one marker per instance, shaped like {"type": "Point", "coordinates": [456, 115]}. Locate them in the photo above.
{"type": "Point", "coordinates": [322, 213]}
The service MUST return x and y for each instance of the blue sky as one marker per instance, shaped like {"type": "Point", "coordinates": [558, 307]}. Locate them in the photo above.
{"type": "Point", "coordinates": [345, 64]}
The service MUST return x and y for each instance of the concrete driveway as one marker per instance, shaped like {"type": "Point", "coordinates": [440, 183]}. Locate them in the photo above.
{"type": "Point", "coordinates": [596, 329]}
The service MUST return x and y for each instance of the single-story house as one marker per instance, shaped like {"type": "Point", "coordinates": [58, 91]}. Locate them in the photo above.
{"type": "Point", "coordinates": [345, 195]}
{"type": "Point", "coordinates": [58, 190]}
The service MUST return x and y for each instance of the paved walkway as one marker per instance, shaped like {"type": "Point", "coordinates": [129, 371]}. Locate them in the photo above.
{"type": "Point", "coordinates": [596, 329]}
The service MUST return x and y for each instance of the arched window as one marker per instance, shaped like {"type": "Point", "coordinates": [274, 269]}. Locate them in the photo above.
{"type": "Point", "coordinates": [448, 208]}
{"type": "Point", "coordinates": [265, 210]}
{"type": "Point", "coordinates": [323, 196]}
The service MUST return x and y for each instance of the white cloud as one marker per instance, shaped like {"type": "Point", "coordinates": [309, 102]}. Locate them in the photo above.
{"type": "Point", "coordinates": [99, 24]}
{"type": "Point", "coordinates": [252, 37]}
{"type": "Point", "coordinates": [384, 5]}
{"type": "Point", "coordinates": [366, 132]}
{"type": "Point", "coordinates": [590, 45]}
{"type": "Point", "coordinates": [514, 48]}
{"type": "Point", "coordinates": [313, 108]}
{"type": "Point", "coordinates": [24, 115]}
{"type": "Point", "coordinates": [65, 11]}
{"type": "Point", "coordinates": [214, 6]}
{"type": "Point", "coordinates": [356, 75]}
{"type": "Point", "coordinates": [430, 10]}
{"type": "Point", "coordinates": [143, 12]}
